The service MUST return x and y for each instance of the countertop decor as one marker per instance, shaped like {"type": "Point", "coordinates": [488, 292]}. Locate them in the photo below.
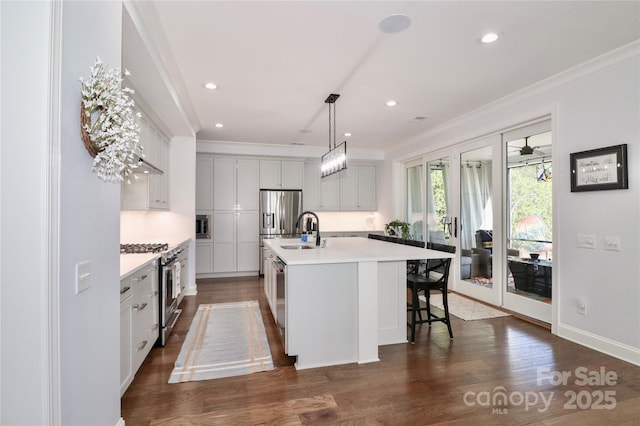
{"type": "Point", "coordinates": [108, 124]}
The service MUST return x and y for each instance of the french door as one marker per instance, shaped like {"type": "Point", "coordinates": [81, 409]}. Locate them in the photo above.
{"type": "Point", "coordinates": [477, 218]}
{"type": "Point", "coordinates": [528, 237]}
{"type": "Point", "coordinates": [491, 198]}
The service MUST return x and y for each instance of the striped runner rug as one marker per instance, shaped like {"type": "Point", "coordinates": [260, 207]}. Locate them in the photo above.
{"type": "Point", "coordinates": [225, 339]}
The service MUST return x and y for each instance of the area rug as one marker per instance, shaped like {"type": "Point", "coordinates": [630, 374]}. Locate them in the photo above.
{"type": "Point", "coordinates": [464, 308]}
{"type": "Point", "coordinates": [225, 339]}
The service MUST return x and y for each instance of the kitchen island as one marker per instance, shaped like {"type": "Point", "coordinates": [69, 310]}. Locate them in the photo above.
{"type": "Point", "coordinates": [344, 300]}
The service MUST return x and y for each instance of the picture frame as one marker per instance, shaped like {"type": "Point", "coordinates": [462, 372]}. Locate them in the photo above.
{"type": "Point", "coordinates": [600, 169]}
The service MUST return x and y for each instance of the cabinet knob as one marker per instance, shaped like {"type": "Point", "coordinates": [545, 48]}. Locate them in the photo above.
{"type": "Point", "coordinates": [141, 347]}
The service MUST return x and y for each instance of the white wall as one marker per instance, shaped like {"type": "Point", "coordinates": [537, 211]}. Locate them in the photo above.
{"type": "Point", "coordinates": [89, 230]}
{"type": "Point", "coordinates": [593, 106]}
{"type": "Point", "coordinates": [24, 125]}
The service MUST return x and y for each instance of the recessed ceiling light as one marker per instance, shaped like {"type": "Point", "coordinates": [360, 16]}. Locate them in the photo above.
{"type": "Point", "coordinates": [394, 23]}
{"type": "Point", "coordinates": [489, 37]}
{"type": "Point", "coordinates": [219, 125]}
{"type": "Point", "coordinates": [392, 103]}
{"type": "Point", "coordinates": [211, 86]}
{"type": "Point", "coordinates": [347, 134]}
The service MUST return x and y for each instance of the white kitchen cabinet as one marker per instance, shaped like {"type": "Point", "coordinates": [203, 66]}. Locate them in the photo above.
{"type": "Point", "coordinates": [270, 281]}
{"type": "Point", "coordinates": [320, 194]}
{"type": "Point", "coordinates": [126, 342]}
{"type": "Point", "coordinates": [235, 184]}
{"type": "Point", "coordinates": [204, 257]}
{"type": "Point", "coordinates": [149, 191]}
{"type": "Point", "coordinates": [235, 241]}
{"type": "Point", "coordinates": [235, 216]}
{"type": "Point", "coordinates": [139, 320]}
{"type": "Point", "coordinates": [281, 174]}
{"type": "Point", "coordinates": [358, 188]}
{"type": "Point", "coordinates": [248, 242]}
{"type": "Point", "coordinates": [159, 184]}
{"type": "Point", "coordinates": [353, 189]}
{"type": "Point", "coordinates": [204, 182]}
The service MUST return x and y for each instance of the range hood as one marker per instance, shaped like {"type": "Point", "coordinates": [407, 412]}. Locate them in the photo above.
{"type": "Point", "coordinates": [146, 167]}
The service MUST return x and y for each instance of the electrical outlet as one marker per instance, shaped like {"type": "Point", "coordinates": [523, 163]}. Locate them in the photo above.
{"type": "Point", "coordinates": [83, 276]}
{"type": "Point", "coordinates": [587, 241]}
{"type": "Point", "coordinates": [582, 306]}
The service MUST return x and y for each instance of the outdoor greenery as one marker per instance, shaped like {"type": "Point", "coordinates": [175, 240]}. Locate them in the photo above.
{"type": "Point", "coordinates": [530, 206]}
{"type": "Point", "coordinates": [439, 195]}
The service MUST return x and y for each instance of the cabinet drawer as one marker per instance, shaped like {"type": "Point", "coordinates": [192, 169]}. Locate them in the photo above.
{"type": "Point", "coordinates": [126, 289]}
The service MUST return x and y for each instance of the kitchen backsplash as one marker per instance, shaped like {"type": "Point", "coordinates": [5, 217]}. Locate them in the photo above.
{"type": "Point", "coordinates": [350, 221]}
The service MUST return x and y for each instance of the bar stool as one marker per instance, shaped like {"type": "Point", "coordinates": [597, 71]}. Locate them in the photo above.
{"type": "Point", "coordinates": [435, 276]}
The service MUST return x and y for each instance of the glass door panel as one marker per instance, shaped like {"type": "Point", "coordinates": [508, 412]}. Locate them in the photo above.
{"type": "Point", "coordinates": [529, 221]}
{"type": "Point", "coordinates": [477, 272]}
{"type": "Point", "coordinates": [415, 202]}
{"type": "Point", "coordinates": [438, 218]}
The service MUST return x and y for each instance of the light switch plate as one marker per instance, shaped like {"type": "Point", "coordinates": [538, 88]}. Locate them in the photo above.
{"type": "Point", "coordinates": [83, 276]}
{"type": "Point", "coordinates": [587, 241]}
{"type": "Point", "coordinates": [612, 243]}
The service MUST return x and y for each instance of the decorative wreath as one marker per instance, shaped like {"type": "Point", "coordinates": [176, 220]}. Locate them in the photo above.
{"type": "Point", "coordinates": [108, 124]}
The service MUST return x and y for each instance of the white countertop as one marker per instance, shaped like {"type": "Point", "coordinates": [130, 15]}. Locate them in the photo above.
{"type": "Point", "coordinates": [349, 250]}
{"type": "Point", "coordinates": [130, 262]}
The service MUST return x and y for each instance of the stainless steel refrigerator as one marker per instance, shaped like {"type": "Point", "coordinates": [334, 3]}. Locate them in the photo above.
{"type": "Point", "coordinates": [279, 211]}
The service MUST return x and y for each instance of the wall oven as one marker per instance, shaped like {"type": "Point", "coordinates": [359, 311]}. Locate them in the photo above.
{"type": "Point", "coordinates": [202, 227]}
{"type": "Point", "coordinates": [170, 292]}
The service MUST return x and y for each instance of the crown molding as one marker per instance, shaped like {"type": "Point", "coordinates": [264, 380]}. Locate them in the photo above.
{"type": "Point", "coordinates": [280, 150]}
{"type": "Point", "coordinates": [605, 60]}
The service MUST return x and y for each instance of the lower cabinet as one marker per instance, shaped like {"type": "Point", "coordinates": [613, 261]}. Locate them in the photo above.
{"type": "Point", "coordinates": [269, 280]}
{"type": "Point", "coordinates": [139, 320]}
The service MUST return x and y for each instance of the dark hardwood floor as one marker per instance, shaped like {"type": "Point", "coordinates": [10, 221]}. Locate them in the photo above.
{"type": "Point", "coordinates": [435, 381]}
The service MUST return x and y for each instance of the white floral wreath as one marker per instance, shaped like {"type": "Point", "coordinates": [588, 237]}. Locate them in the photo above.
{"type": "Point", "coordinates": [109, 129]}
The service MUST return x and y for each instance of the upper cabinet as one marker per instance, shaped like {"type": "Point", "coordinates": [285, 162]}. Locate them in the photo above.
{"type": "Point", "coordinates": [358, 188]}
{"type": "Point", "coordinates": [149, 191]}
{"type": "Point", "coordinates": [204, 182]}
{"type": "Point", "coordinates": [235, 184]}
{"type": "Point", "coordinates": [285, 174]}
{"type": "Point", "coordinates": [353, 189]}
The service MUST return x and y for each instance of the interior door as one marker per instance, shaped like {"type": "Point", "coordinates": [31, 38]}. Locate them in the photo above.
{"type": "Point", "coordinates": [477, 218]}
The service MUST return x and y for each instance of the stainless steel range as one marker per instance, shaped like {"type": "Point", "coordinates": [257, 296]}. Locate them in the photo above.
{"type": "Point", "coordinates": [170, 292]}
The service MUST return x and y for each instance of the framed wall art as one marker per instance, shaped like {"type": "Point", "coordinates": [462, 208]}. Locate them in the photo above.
{"type": "Point", "coordinates": [599, 169]}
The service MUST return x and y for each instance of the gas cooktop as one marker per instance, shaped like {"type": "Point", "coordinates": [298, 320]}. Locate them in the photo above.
{"type": "Point", "coordinates": [144, 248]}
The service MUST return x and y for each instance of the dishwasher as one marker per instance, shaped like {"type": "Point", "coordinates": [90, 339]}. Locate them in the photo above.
{"type": "Point", "coordinates": [281, 320]}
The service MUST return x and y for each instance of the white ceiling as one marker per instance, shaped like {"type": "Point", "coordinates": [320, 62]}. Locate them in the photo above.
{"type": "Point", "coordinates": [276, 62]}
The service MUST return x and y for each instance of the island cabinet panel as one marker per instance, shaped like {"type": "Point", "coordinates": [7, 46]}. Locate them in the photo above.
{"type": "Point", "coordinates": [392, 302]}
{"type": "Point", "coordinates": [321, 315]}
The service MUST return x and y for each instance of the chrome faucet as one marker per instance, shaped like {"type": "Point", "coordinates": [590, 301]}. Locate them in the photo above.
{"type": "Point", "coordinates": [317, 222]}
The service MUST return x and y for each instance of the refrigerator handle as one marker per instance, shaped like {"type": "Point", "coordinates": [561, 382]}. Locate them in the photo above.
{"type": "Point", "coordinates": [267, 220]}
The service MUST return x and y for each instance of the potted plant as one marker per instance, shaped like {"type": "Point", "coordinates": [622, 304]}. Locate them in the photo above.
{"type": "Point", "coordinates": [397, 228]}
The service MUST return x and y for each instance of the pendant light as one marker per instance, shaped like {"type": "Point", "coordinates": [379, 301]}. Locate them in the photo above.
{"type": "Point", "coordinates": [336, 159]}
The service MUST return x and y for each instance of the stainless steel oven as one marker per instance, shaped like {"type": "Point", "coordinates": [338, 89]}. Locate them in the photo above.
{"type": "Point", "coordinates": [170, 291]}
{"type": "Point", "coordinates": [202, 227]}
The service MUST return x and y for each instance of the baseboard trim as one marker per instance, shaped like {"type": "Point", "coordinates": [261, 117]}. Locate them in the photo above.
{"type": "Point", "coordinates": [120, 422]}
{"type": "Point", "coordinates": [600, 344]}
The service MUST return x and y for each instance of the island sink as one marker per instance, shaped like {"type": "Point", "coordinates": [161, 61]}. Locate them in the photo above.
{"type": "Point", "coordinates": [297, 247]}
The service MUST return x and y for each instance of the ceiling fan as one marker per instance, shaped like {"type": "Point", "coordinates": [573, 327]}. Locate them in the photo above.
{"type": "Point", "coordinates": [530, 150]}
{"type": "Point", "coordinates": [526, 149]}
